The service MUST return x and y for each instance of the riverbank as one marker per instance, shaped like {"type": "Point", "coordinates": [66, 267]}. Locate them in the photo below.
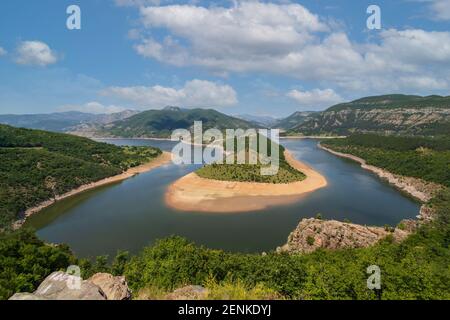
{"type": "Point", "coordinates": [313, 137]}
{"type": "Point", "coordinates": [161, 160]}
{"type": "Point", "coordinates": [419, 189]}
{"type": "Point", "coordinates": [193, 193]}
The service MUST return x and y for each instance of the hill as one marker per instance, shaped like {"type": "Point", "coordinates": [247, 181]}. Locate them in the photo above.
{"type": "Point", "coordinates": [387, 114]}
{"type": "Point", "coordinates": [62, 121]}
{"type": "Point", "coordinates": [262, 121]}
{"type": "Point", "coordinates": [295, 119]}
{"type": "Point", "coordinates": [161, 123]}
{"type": "Point", "coordinates": [37, 166]}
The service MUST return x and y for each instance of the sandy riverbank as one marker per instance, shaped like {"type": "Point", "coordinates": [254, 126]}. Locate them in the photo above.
{"type": "Point", "coordinates": [163, 159]}
{"type": "Point", "coordinates": [193, 193]}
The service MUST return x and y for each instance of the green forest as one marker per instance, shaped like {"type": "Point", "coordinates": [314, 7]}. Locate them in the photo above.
{"type": "Point", "coordinates": [37, 166]}
{"type": "Point", "coordinates": [252, 172]}
{"type": "Point", "coordinates": [425, 158]}
{"type": "Point", "coordinates": [417, 268]}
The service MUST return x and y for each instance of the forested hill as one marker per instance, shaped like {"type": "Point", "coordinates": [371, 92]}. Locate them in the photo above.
{"type": "Point", "coordinates": [389, 114]}
{"type": "Point", "coordinates": [394, 101]}
{"type": "Point", "coordinates": [71, 121]}
{"type": "Point", "coordinates": [424, 158]}
{"type": "Point", "coordinates": [38, 165]}
{"type": "Point", "coordinates": [161, 123]}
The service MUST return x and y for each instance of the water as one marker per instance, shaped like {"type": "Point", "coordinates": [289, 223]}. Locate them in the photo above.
{"type": "Point", "coordinates": [132, 214]}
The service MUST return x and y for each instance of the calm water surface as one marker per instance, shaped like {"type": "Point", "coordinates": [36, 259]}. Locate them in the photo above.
{"type": "Point", "coordinates": [132, 214]}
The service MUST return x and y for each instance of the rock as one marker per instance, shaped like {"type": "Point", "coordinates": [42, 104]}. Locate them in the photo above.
{"type": "Point", "coordinates": [427, 214]}
{"type": "Point", "coordinates": [189, 293]}
{"type": "Point", "coordinates": [115, 288]}
{"type": "Point", "coordinates": [408, 225]}
{"type": "Point", "coordinates": [312, 234]}
{"type": "Point", "coordinates": [26, 296]}
{"type": "Point", "coordinates": [62, 286]}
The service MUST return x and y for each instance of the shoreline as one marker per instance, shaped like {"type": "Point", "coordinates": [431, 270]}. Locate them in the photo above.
{"type": "Point", "coordinates": [115, 138]}
{"type": "Point", "coordinates": [161, 160]}
{"type": "Point", "coordinates": [193, 193]}
{"type": "Point", "coordinates": [419, 189]}
{"type": "Point", "coordinates": [313, 137]}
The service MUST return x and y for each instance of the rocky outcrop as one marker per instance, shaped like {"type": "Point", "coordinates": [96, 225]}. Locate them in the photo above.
{"type": "Point", "coordinates": [189, 293]}
{"type": "Point", "coordinates": [62, 286]}
{"type": "Point", "coordinates": [114, 288]}
{"type": "Point", "coordinates": [312, 234]}
{"type": "Point", "coordinates": [377, 120]}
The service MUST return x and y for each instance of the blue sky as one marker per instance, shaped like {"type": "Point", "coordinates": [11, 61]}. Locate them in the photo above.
{"type": "Point", "coordinates": [241, 57]}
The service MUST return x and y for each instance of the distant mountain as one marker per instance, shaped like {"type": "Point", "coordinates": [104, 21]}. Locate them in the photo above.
{"type": "Point", "coordinates": [387, 114]}
{"type": "Point", "coordinates": [62, 121]}
{"type": "Point", "coordinates": [161, 123]}
{"type": "Point", "coordinates": [294, 120]}
{"type": "Point", "coordinates": [263, 121]}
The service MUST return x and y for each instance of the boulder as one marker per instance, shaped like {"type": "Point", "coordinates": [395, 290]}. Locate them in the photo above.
{"type": "Point", "coordinates": [26, 296]}
{"type": "Point", "coordinates": [115, 288]}
{"type": "Point", "coordinates": [62, 286]}
{"type": "Point", "coordinates": [312, 234]}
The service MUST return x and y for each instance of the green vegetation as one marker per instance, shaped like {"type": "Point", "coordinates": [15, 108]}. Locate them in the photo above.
{"type": "Point", "coordinates": [161, 123]}
{"type": "Point", "coordinates": [251, 172]}
{"type": "Point", "coordinates": [425, 158]}
{"type": "Point", "coordinates": [25, 261]}
{"type": "Point", "coordinates": [37, 166]}
{"type": "Point", "coordinates": [417, 268]}
{"type": "Point", "coordinates": [394, 101]}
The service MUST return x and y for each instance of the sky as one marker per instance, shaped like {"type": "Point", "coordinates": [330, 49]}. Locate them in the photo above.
{"type": "Point", "coordinates": [239, 57]}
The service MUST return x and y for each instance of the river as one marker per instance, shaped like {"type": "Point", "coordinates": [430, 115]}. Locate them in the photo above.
{"type": "Point", "coordinates": [132, 214]}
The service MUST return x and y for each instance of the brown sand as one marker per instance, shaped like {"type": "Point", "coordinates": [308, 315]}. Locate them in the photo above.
{"type": "Point", "coordinates": [163, 159]}
{"type": "Point", "coordinates": [193, 193]}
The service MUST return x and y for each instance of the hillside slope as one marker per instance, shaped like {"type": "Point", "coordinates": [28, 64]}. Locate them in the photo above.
{"type": "Point", "coordinates": [161, 123]}
{"type": "Point", "coordinates": [63, 121]}
{"type": "Point", "coordinates": [38, 165]}
{"type": "Point", "coordinates": [389, 114]}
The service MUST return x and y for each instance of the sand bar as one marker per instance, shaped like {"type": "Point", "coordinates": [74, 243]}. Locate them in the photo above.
{"type": "Point", "coordinates": [193, 193]}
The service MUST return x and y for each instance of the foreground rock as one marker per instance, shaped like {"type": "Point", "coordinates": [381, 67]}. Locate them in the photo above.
{"type": "Point", "coordinates": [115, 288]}
{"type": "Point", "coordinates": [62, 286]}
{"type": "Point", "coordinates": [312, 234]}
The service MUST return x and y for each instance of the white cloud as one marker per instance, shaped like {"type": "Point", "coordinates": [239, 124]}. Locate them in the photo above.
{"type": "Point", "coordinates": [440, 9]}
{"type": "Point", "coordinates": [315, 98]}
{"type": "Point", "coordinates": [92, 107]}
{"type": "Point", "coordinates": [3, 52]}
{"type": "Point", "coordinates": [35, 53]}
{"type": "Point", "coordinates": [290, 40]}
{"type": "Point", "coordinates": [195, 93]}
{"type": "Point", "coordinates": [137, 3]}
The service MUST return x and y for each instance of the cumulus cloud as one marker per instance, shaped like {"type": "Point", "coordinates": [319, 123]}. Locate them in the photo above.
{"type": "Point", "coordinates": [440, 9]}
{"type": "Point", "coordinates": [315, 98]}
{"type": "Point", "coordinates": [35, 53]}
{"type": "Point", "coordinates": [195, 93]}
{"type": "Point", "coordinates": [92, 107]}
{"type": "Point", "coordinates": [3, 52]}
{"type": "Point", "coordinates": [289, 39]}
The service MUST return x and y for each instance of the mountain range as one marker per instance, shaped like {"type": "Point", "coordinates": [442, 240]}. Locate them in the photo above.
{"type": "Point", "coordinates": [386, 114]}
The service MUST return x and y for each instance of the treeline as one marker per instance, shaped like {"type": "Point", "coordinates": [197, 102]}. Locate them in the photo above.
{"type": "Point", "coordinates": [425, 158]}
{"type": "Point", "coordinates": [252, 172]}
{"type": "Point", "coordinates": [393, 142]}
{"type": "Point", "coordinates": [37, 166]}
